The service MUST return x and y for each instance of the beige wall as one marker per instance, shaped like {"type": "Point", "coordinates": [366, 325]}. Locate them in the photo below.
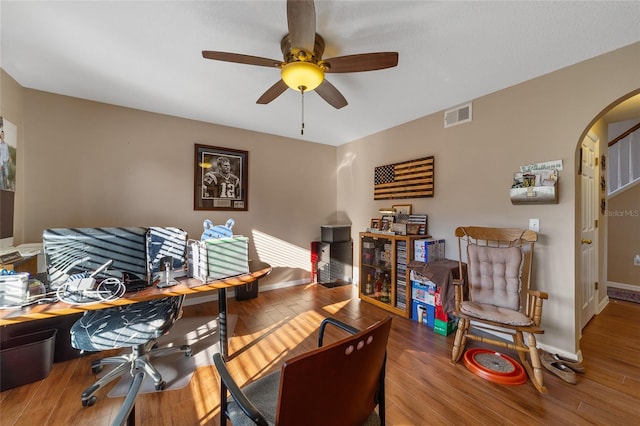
{"type": "Point", "coordinates": [623, 220]}
{"type": "Point", "coordinates": [539, 120]}
{"type": "Point", "coordinates": [90, 164]}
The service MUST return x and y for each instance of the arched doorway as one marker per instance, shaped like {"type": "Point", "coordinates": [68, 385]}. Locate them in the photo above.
{"type": "Point", "coordinates": [623, 109]}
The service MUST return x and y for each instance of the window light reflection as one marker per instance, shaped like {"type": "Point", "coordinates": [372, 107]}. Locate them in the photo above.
{"type": "Point", "coordinates": [280, 253]}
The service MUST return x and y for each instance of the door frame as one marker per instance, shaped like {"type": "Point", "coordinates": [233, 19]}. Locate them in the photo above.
{"type": "Point", "coordinates": [603, 234]}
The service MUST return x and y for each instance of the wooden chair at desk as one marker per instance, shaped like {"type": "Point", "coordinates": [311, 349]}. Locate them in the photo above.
{"type": "Point", "coordinates": [341, 383]}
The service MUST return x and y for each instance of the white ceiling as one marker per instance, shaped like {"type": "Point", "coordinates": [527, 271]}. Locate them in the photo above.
{"type": "Point", "coordinates": [147, 55]}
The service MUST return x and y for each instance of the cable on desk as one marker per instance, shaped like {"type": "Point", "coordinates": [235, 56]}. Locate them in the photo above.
{"type": "Point", "coordinates": [107, 290]}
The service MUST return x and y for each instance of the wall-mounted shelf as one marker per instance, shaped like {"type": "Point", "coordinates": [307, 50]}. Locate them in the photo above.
{"type": "Point", "coordinates": [534, 195]}
{"type": "Point", "coordinates": [535, 187]}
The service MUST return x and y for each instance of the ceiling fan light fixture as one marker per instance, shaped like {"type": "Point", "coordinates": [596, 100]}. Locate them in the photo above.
{"type": "Point", "coordinates": [302, 75]}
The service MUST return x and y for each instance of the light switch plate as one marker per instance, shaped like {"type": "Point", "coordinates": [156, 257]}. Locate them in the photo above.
{"type": "Point", "coordinates": [534, 225]}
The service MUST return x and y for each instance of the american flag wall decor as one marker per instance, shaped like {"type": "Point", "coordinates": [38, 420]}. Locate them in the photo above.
{"type": "Point", "coordinates": [409, 179]}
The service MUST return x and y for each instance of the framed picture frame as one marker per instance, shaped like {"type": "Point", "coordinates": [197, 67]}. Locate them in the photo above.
{"type": "Point", "coordinates": [385, 222]}
{"type": "Point", "coordinates": [402, 209]}
{"type": "Point", "coordinates": [375, 223]}
{"type": "Point", "coordinates": [220, 179]}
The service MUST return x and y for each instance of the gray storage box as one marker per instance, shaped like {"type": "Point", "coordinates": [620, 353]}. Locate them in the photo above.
{"type": "Point", "coordinates": [335, 233]}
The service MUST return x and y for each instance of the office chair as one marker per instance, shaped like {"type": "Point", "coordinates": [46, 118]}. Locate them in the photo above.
{"type": "Point", "coordinates": [338, 384]}
{"type": "Point", "coordinates": [499, 264]}
{"type": "Point", "coordinates": [136, 326]}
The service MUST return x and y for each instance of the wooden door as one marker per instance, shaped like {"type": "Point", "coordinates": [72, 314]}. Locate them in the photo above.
{"type": "Point", "coordinates": [588, 230]}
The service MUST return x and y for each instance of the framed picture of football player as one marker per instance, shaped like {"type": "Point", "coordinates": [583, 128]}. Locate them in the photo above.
{"type": "Point", "coordinates": [220, 181]}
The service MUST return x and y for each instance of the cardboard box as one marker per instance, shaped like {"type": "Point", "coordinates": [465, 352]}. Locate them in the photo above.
{"type": "Point", "coordinates": [427, 312]}
{"type": "Point", "coordinates": [335, 233]}
{"type": "Point", "coordinates": [227, 257]}
{"type": "Point", "coordinates": [445, 327]}
{"type": "Point", "coordinates": [424, 293]}
{"type": "Point", "coordinates": [440, 313]}
{"type": "Point", "coordinates": [419, 278]}
{"type": "Point", "coordinates": [428, 250]}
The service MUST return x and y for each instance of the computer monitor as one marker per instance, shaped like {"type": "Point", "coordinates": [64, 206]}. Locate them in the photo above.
{"type": "Point", "coordinates": [137, 253]}
{"type": "Point", "coordinates": [70, 251]}
{"type": "Point", "coordinates": [166, 243]}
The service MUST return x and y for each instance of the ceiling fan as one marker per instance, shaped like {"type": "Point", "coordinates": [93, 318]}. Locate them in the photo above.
{"type": "Point", "coordinates": [303, 67]}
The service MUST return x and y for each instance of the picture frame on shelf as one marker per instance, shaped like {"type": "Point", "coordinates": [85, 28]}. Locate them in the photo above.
{"type": "Point", "coordinates": [402, 209]}
{"type": "Point", "coordinates": [385, 222]}
{"type": "Point", "coordinates": [220, 179]}
{"type": "Point", "coordinates": [375, 223]}
{"type": "Point", "coordinates": [402, 212]}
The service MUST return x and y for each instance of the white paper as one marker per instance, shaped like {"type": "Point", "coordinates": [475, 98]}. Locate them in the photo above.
{"type": "Point", "coordinates": [547, 165]}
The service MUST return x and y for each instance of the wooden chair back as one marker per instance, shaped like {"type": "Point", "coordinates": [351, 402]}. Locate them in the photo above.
{"type": "Point", "coordinates": [336, 384]}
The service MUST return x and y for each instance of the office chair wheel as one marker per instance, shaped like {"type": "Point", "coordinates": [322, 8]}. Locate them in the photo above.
{"type": "Point", "coordinates": [160, 386]}
{"type": "Point", "coordinates": [89, 402]}
{"type": "Point", "coordinates": [186, 348]}
{"type": "Point", "coordinates": [96, 367]}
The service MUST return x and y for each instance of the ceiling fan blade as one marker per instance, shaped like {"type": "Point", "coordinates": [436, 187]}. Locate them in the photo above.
{"type": "Point", "coordinates": [272, 92]}
{"type": "Point", "coordinates": [240, 58]}
{"type": "Point", "coordinates": [301, 18]}
{"type": "Point", "coordinates": [362, 62]}
{"type": "Point", "coordinates": [329, 93]}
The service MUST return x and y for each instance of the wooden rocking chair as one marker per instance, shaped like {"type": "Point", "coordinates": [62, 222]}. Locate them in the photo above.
{"type": "Point", "coordinates": [499, 263]}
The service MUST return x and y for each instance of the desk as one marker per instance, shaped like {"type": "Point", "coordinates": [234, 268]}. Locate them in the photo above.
{"type": "Point", "coordinates": [257, 270]}
{"type": "Point", "coordinates": [25, 264]}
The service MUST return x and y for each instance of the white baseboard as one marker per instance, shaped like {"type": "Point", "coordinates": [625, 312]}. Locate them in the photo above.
{"type": "Point", "coordinates": [213, 295]}
{"type": "Point", "coordinates": [603, 304]}
{"type": "Point", "coordinates": [623, 286]}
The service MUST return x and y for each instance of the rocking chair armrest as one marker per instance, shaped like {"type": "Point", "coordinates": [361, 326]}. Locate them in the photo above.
{"type": "Point", "coordinates": [346, 327]}
{"type": "Point", "coordinates": [458, 291]}
{"type": "Point", "coordinates": [539, 294]}
{"type": "Point", "coordinates": [239, 397]}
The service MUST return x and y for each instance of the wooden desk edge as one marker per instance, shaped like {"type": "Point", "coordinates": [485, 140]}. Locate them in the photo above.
{"type": "Point", "coordinates": [186, 286]}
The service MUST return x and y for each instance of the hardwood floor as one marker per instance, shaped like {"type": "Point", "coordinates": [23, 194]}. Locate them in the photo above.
{"type": "Point", "coordinates": [423, 388]}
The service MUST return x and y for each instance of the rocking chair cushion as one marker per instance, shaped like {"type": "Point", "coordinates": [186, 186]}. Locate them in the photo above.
{"type": "Point", "coordinates": [495, 313]}
{"type": "Point", "coordinates": [494, 275]}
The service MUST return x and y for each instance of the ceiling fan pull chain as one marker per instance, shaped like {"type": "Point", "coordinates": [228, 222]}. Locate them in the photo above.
{"type": "Point", "coordinates": [302, 119]}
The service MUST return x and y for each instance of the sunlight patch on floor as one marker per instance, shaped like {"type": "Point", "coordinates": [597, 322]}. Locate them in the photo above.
{"type": "Point", "coordinates": [280, 253]}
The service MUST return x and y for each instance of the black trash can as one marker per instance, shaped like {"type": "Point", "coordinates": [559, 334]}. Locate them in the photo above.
{"type": "Point", "coordinates": [26, 359]}
{"type": "Point", "coordinates": [247, 291]}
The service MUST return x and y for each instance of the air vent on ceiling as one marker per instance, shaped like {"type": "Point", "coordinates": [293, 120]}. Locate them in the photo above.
{"type": "Point", "coordinates": [458, 115]}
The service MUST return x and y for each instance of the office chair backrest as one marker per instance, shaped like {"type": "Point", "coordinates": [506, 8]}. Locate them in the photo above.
{"type": "Point", "coordinates": [335, 384]}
